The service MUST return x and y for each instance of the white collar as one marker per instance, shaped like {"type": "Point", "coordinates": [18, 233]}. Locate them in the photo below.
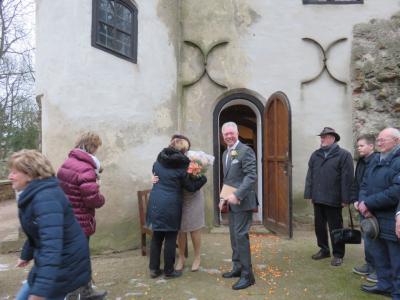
{"type": "Point", "coordinates": [234, 146]}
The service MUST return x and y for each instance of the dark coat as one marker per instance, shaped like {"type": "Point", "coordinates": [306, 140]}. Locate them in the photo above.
{"type": "Point", "coordinates": [78, 179]}
{"type": "Point", "coordinates": [380, 191]}
{"type": "Point", "coordinates": [55, 240]}
{"type": "Point", "coordinates": [164, 210]}
{"type": "Point", "coordinates": [329, 179]}
{"type": "Point", "coordinates": [361, 167]}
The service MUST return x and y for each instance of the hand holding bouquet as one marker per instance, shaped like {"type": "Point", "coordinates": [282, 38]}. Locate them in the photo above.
{"type": "Point", "coordinates": [199, 162]}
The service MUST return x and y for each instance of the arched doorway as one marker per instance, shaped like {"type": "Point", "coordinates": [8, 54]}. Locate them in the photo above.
{"type": "Point", "coordinates": [277, 165]}
{"type": "Point", "coordinates": [245, 108]}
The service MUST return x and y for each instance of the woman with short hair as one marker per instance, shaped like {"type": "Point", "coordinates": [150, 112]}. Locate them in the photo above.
{"type": "Point", "coordinates": [79, 178]}
{"type": "Point", "coordinates": [55, 240]}
{"type": "Point", "coordinates": [164, 210]}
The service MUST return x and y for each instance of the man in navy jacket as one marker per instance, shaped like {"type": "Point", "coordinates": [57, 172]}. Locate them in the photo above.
{"type": "Point", "coordinates": [379, 196]}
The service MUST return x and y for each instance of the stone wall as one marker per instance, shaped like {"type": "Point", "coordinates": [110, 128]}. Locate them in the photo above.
{"type": "Point", "coordinates": [376, 75]}
{"type": "Point", "coordinates": [6, 191]}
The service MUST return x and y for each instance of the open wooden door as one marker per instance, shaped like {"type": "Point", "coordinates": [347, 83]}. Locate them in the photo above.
{"type": "Point", "coordinates": [277, 165]}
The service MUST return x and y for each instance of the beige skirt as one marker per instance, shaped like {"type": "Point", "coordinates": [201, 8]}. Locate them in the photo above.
{"type": "Point", "coordinates": [192, 211]}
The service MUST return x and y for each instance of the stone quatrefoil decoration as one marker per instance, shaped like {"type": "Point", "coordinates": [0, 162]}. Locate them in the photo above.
{"type": "Point", "coordinates": [205, 54]}
{"type": "Point", "coordinates": [324, 60]}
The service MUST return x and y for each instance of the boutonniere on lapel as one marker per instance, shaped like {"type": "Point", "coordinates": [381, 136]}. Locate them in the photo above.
{"type": "Point", "coordinates": [234, 154]}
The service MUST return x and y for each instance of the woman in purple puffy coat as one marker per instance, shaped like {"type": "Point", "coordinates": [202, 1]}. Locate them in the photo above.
{"type": "Point", "coordinates": [79, 179]}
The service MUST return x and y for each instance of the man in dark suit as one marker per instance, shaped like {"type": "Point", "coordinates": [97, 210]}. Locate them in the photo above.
{"type": "Point", "coordinates": [240, 172]}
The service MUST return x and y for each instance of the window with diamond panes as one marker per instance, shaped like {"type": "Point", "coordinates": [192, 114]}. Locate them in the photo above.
{"type": "Point", "coordinates": [114, 28]}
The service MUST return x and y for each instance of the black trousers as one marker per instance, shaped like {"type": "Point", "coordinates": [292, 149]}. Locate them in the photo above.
{"type": "Point", "coordinates": [169, 250]}
{"type": "Point", "coordinates": [332, 216]}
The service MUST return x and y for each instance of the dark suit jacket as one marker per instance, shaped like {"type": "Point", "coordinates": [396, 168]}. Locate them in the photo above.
{"type": "Point", "coordinates": [241, 173]}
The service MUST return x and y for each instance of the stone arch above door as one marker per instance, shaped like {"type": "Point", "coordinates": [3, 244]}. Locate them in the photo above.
{"type": "Point", "coordinates": [254, 102]}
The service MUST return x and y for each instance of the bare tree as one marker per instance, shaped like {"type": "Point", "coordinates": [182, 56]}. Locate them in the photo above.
{"type": "Point", "coordinates": [16, 75]}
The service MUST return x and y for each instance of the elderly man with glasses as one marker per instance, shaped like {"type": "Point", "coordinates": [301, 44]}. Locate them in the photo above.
{"type": "Point", "coordinates": [379, 196]}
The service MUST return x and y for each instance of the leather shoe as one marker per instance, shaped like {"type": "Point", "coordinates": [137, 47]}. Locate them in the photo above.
{"type": "Point", "coordinates": [336, 261]}
{"type": "Point", "coordinates": [231, 274]}
{"type": "Point", "coordinates": [244, 282]}
{"type": "Point", "coordinates": [320, 255]}
{"type": "Point", "coordinates": [155, 273]}
{"type": "Point", "coordinates": [174, 274]}
{"type": "Point", "coordinates": [373, 289]}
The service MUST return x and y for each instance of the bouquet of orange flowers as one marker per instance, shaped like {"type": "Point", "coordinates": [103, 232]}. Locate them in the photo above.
{"type": "Point", "coordinates": [199, 162]}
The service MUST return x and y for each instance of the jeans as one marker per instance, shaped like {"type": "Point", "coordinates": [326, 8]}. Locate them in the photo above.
{"type": "Point", "coordinates": [387, 265]}
{"type": "Point", "coordinates": [367, 248]}
{"type": "Point", "coordinates": [367, 251]}
{"type": "Point", "coordinates": [24, 293]}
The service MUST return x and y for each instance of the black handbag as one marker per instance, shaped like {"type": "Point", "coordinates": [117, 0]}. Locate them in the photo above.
{"type": "Point", "coordinates": [347, 235]}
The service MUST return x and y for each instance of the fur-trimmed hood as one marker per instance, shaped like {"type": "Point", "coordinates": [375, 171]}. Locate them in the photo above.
{"type": "Point", "coordinates": [173, 159]}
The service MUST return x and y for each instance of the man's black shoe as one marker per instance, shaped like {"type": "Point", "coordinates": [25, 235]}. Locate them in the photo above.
{"type": "Point", "coordinates": [336, 261]}
{"type": "Point", "coordinates": [373, 289]}
{"type": "Point", "coordinates": [244, 282]}
{"type": "Point", "coordinates": [174, 274]}
{"type": "Point", "coordinates": [231, 274]}
{"type": "Point", "coordinates": [155, 273]}
{"type": "Point", "coordinates": [320, 255]}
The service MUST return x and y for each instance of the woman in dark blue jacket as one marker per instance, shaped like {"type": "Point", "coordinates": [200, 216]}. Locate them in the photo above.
{"type": "Point", "coordinates": [55, 241]}
{"type": "Point", "coordinates": [165, 205]}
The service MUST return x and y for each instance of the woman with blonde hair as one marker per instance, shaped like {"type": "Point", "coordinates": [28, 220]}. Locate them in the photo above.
{"type": "Point", "coordinates": [78, 177]}
{"type": "Point", "coordinates": [55, 240]}
{"type": "Point", "coordinates": [193, 220]}
{"type": "Point", "coordinates": [164, 210]}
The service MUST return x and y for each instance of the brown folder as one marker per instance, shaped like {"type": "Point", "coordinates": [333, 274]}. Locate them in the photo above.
{"type": "Point", "coordinates": [226, 191]}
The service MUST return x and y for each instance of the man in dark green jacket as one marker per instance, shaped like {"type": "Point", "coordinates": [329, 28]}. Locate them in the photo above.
{"type": "Point", "coordinates": [328, 185]}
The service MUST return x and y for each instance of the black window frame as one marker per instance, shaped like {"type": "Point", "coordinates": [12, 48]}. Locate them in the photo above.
{"type": "Point", "coordinates": [134, 34]}
{"type": "Point", "coordinates": [334, 2]}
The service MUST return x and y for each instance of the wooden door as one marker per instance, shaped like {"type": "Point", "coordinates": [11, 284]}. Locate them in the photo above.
{"type": "Point", "coordinates": [277, 166]}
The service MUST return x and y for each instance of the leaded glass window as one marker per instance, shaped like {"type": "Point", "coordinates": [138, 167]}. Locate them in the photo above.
{"type": "Point", "coordinates": [114, 27]}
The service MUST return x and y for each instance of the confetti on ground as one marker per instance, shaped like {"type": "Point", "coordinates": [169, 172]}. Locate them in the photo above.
{"type": "Point", "coordinates": [161, 281]}
{"type": "Point", "coordinates": [210, 271]}
{"type": "Point", "coordinates": [4, 267]}
{"type": "Point", "coordinates": [134, 294]}
{"type": "Point", "coordinates": [139, 284]}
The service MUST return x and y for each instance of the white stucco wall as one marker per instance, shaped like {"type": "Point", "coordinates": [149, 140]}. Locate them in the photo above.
{"type": "Point", "coordinates": [132, 106]}
{"type": "Point", "coordinates": [278, 59]}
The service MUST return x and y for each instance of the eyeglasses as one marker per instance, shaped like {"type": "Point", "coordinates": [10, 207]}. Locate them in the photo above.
{"type": "Point", "coordinates": [384, 140]}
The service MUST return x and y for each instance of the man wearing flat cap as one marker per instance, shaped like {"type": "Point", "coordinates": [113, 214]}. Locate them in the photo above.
{"type": "Point", "coordinates": [328, 185]}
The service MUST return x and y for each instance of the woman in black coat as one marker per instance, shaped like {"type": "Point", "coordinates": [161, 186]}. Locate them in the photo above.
{"type": "Point", "coordinates": [55, 240]}
{"type": "Point", "coordinates": [165, 205]}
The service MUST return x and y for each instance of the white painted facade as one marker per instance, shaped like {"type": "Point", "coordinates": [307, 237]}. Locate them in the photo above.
{"type": "Point", "coordinates": [136, 107]}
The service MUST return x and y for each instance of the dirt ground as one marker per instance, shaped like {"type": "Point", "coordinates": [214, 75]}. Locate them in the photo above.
{"type": "Point", "coordinates": [283, 269]}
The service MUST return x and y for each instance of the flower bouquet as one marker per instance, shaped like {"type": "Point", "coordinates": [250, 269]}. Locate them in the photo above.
{"type": "Point", "coordinates": [199, 162]}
